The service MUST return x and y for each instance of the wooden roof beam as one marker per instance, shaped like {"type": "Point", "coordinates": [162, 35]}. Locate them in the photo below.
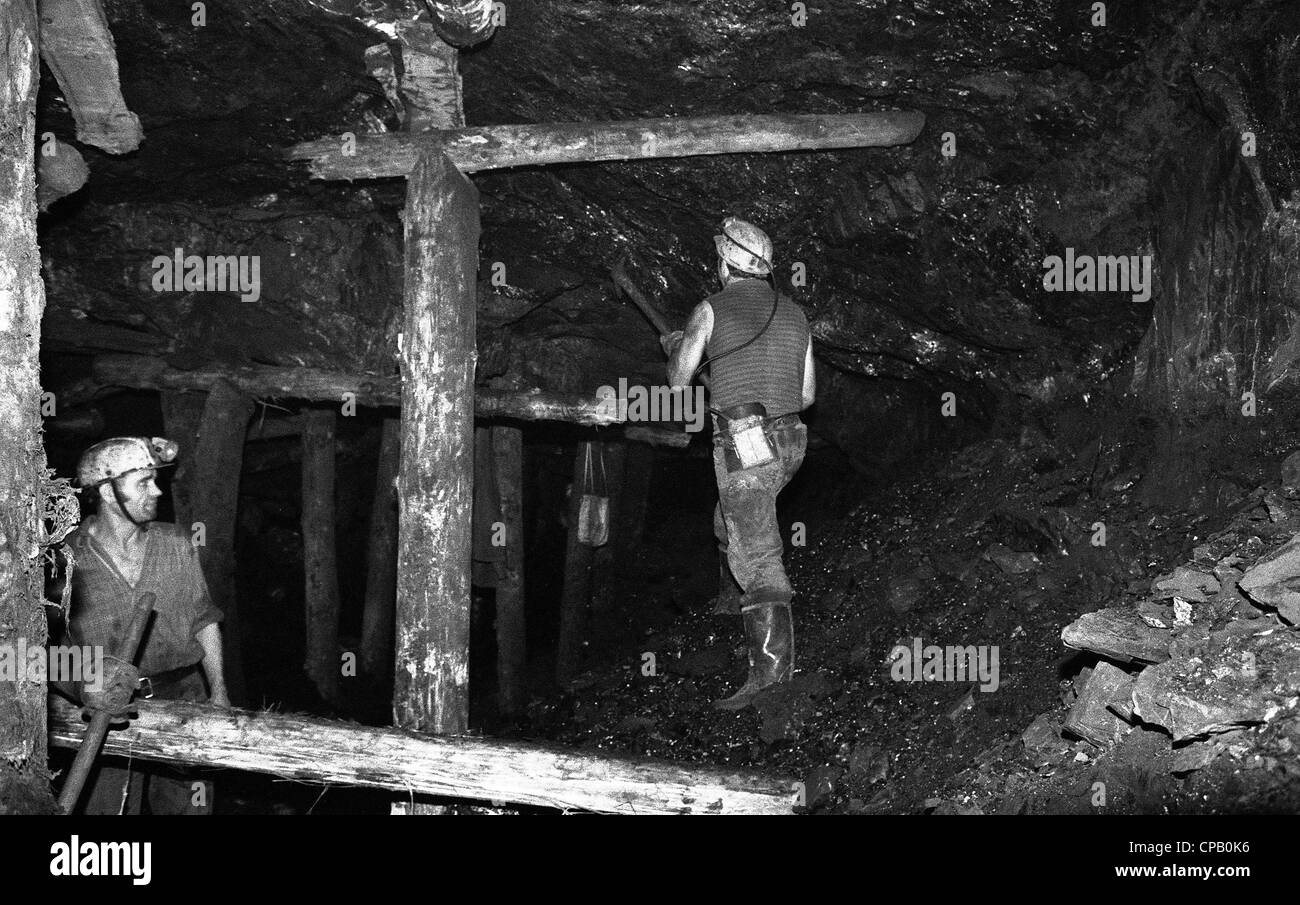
{"type": "Point", "coordinates": [497, 147]}
{"type": "Point", "coordinates": [145, 372]}
{"type": "Point", "coordinates": [78, 47]}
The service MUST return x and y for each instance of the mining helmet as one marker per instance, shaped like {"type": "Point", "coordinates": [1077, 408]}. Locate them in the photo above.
{"type": "Point", "coordinates": [744, 247]}
{"type": "Point", "coordinates": [111, 459]}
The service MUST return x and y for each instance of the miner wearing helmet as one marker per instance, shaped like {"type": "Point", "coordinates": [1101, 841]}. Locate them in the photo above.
{"type": "Point", "coordinates": [758, 348]}
{"type": "Point", "coordinates": [121, 552]}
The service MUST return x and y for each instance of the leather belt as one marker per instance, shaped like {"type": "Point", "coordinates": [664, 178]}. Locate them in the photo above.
{"type": "Point", "coordinates": [736, 412]}
{"type": "Point", "coordinates": [149, 684]}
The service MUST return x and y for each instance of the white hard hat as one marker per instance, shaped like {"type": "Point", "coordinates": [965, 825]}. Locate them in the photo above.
{"type": "Point", "coordinates": [744, 247]}
{"type": "Point", "coordinates": [113, 458]}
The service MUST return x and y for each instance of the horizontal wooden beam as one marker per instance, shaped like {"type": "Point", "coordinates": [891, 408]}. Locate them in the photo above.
{"type": "Point", "coordinates": [279, 428]}
{"type": "Point", "coordinates": [535, 144]}
{"type": "Point", "coordinates": [61, 332]}
{"type": "Point", "coordinates": [310, 749]}
{"type": "Point", "coordinates": [146, 372]}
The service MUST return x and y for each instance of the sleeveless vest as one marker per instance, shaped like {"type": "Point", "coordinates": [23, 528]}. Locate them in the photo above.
{"type": "Point", "coordinates": [770, 369]}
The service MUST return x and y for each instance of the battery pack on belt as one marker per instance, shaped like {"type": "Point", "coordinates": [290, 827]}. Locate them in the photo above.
{"type": "Point", "coordinates": [746, 436]}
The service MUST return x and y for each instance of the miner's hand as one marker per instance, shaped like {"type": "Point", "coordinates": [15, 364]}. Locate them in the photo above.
{"type": "Point", "coordinates": [113, 696]}
{"type": "Point", "coordinates": [670, 342]}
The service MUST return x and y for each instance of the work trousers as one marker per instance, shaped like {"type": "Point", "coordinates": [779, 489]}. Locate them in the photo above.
{"type": "Point", "coordinates": [119, 786]}
{"type": "Point", "coordinates": [744, 522]}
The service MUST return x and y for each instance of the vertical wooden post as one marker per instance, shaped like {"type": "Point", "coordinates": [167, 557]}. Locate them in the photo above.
{"type": "Point", "coordinates": [182, 412]}
{"type": "Point", "coordinates": [24, 784]}
{"type": "Point", "coordinates": [320, 571]}
{"type": "Point", "coordinates": [435, 484]}
{"type": "Point", "coordinates": [381, 557]}
{"type": "Point", "coordinates": [604, 562]}
{"type": "Point", "coordinates": [489, 554]}
{"type": "Point", "coordinates": [436, 697]}
{"type": "Point", "coordinates": [512, 651]}
{"type": "Point", "coordinates": [577, 577]}
{"type": "Point", "coordinates": [213, 489]}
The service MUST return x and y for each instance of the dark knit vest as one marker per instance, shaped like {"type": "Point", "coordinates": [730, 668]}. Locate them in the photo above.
{"type": "Point", "coordinates": [769, 370]}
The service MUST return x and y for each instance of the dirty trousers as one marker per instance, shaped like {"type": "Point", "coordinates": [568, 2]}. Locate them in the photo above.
{"type": "Point", "coordinates": [744, 522]}
{"type": "Point", "coordinates": [119, 786]}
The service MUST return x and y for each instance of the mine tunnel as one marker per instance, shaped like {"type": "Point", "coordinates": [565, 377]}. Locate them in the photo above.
{"type": "Point", "coordinates": [1015, 527]}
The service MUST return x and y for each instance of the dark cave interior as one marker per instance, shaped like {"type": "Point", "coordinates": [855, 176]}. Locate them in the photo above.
{"type": "Point", "coordinates": [990, 462]}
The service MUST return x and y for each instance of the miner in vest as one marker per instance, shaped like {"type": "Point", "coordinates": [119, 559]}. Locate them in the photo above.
{"type": "Point", "coordinates": [758, 349]}
{"type": "Point", "coordinates": [121, 552]}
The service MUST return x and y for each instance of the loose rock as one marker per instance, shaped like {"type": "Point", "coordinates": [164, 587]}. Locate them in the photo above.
{"type": "Point", "coordinates": [1010, 561]}
{"type": "Point", "coordinates": [1118, 634]}
{"type": "Point", "coordinates": [1271, 581]}
{"type": "Point", "coordinates": [1090, 718]}
{"type": "Point", "coordinates": [1240, 680]}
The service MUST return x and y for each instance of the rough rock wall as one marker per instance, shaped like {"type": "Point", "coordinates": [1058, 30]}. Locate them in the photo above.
{"type": "Point", "coordinates": [329, 282]}
{"type": "Point", "coordinates": [1225, 317]}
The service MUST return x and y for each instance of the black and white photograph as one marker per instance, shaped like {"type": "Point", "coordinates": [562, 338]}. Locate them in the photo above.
{"type": "Point", "coordinates": [561, 408]}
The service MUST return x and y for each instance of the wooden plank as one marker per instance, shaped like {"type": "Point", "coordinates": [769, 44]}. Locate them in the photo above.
{"type": "Point", "coordinates": [536, 144]}
{"type": "Point", "coordinates": [264, 382]}
{"type": "Point", "coordinates": [310, 749]}
{"type": "Point", "coordinates": [61, 332]}
{"type": "Point", "coordinates": [78, 46]}
{"type": "Point", "coordinates": [436, 475]}
{"type": "Point", "coordinates": [542, 407]}
{"type": "Point", "coordinates": [182, 414]}
{"type": "Point", "coordinates": [654, 435]}
{"type": "Point", "coordinates": [212, 476]}
{"type": "Point", "coordinates": [317, 385]}
{"type": "Point", "coordinates": [429, 85]}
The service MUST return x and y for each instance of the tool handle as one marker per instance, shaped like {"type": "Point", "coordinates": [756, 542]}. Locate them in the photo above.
{"type": "Point", "coordinates": [99, 723]}
{"type": "Point", "coordinates": [653, 314]}
{"type": "Point", "coordinates": [126, 650]}
{"type": "Point", "coordinates": [85, 759]}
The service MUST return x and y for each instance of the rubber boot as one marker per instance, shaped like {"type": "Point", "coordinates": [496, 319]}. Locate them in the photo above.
{"type": "Point", "coordinates": [727, 603]}
{"type": "Point", "coordinates": [769, 636]}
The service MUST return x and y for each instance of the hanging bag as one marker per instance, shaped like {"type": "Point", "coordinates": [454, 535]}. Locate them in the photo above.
{"type": "Point", "coordinates": [593, 510]}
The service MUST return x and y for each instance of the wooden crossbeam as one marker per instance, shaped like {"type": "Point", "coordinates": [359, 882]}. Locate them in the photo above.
{"type": "Point", "coordinates": [310, 749]}
{"type": "Point", "coordinates": [311, 384]}
{"type": "Point", "coordinates": [497, 147]}
{"type": "Point", "coordinates": [78, 47]}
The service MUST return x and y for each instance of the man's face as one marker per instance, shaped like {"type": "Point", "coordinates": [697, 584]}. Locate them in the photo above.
{"type": "Point", "coordinates": [140, 495]}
